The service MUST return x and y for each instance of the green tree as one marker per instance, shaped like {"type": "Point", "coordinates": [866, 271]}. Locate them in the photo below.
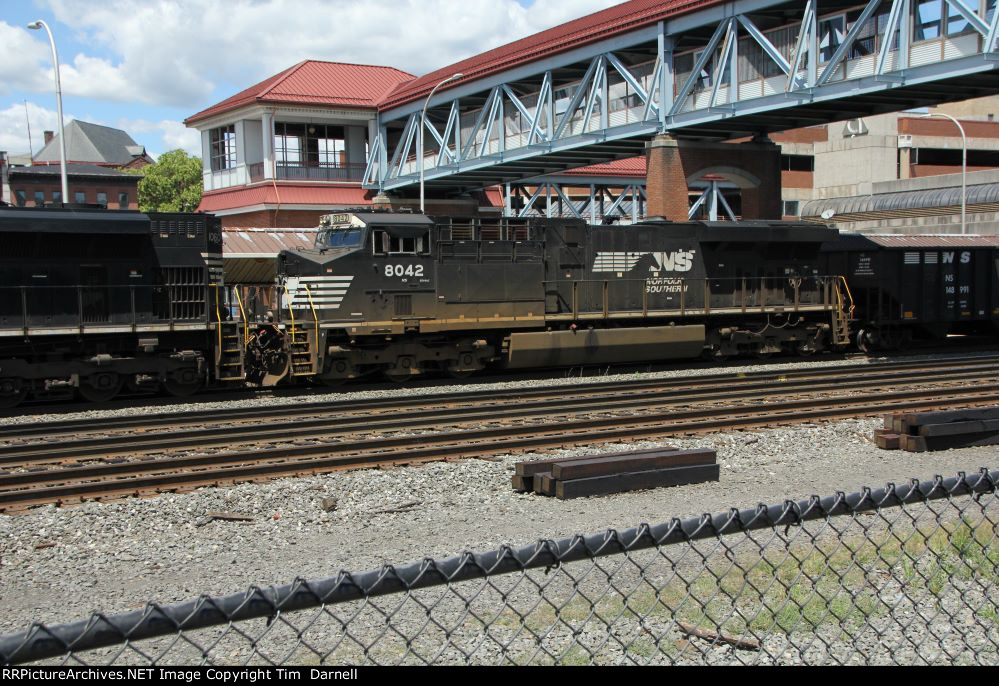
{"type": "Point", "coordinates": [172, 184]}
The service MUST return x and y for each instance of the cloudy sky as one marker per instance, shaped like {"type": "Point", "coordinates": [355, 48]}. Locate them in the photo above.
{"type": "Point", "coordinates": [145, 65]}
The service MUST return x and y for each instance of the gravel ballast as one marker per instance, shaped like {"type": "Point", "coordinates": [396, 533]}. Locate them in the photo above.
{"type": "Point", "coordinates": [59, 565]}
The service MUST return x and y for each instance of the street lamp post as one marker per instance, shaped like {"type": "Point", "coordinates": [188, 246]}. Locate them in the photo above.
{"type": "Point", "coordinates": [964, 166]}
{"type": "Point", "coordinates": [62, 138]}
{"type": "Point", "coordinates": [423, 124]}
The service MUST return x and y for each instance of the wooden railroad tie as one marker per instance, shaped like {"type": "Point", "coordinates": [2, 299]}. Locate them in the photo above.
{"type": "Point", "coordinates": [578, 477]}
{"type": "Point", "coordinates": [918, 432]}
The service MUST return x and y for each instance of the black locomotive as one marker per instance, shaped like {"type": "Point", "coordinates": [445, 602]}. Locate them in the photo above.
{"type": "Point", "coordinates": [405, 295]}
{"type": "Point", "coordinates": [92, 302]}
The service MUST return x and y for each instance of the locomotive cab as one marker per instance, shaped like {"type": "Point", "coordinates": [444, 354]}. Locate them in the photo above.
{"type": "Point", "coordinates": [370, 265]}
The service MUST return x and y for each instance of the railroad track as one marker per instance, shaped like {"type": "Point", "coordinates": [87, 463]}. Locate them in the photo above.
{"type": "Point", "coordinates": [173, 420]}
{"type": "Point", "coordinates": [451, 414]}
{"type": "Point", "coordinates": [68, 473]}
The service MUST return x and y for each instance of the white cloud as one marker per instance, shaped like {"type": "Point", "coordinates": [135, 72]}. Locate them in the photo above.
{"type": "Point", "coordinates": [14, 127]}
{"type": "Point", "coordinates": [173, 135]}
{"type": "Point", "coordinates": [174, 52]}
{"type": "Point", "coordinates": [21, 60]}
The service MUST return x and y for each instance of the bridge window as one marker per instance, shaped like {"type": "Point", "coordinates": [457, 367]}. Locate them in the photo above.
{"type": "Point", "coordinates": [956, 24]}
{"type": "Point", "coordinates": [223, 147]}
{"type": "Point", "coordinates": [706, 77]}
{"type": "Point", "coordinates": [832, 31]}
{"type": "Point", "coordinates": [928, 19]}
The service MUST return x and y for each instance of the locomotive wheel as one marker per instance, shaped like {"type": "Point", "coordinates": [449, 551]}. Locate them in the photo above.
{"type": "Point", "coordinates": [180, 389]}
{"type": "Point", "coordinates": [100, 388]}
{"type": "Point", "coordinates": [402, 371]}
{"type": "Point", "coordinates": [183, 383]}
{"type": "Point", "coordinates": [11, 393]}
{"type": "Point", "coordinates": [399, 376]}
{"type": "Point", "coordinates": [461, 369]}
{"type": "Point", "coordinates": [804, 349]}
{"type": "Point", "coordinates": [459, 373]}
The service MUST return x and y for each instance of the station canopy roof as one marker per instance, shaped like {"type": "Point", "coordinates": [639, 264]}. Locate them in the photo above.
{"type": "Point", "coordinates": [250, 254]}
{"type": "Point", "coordinates": [907, 200]}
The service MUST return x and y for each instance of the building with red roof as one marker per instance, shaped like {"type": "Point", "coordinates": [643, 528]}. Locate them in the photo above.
{"type": "Point", "coordinates": [292, 147]}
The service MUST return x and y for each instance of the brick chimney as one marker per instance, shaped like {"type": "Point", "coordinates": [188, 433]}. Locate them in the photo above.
{"type": "Point", "coordinates": [48, 137]}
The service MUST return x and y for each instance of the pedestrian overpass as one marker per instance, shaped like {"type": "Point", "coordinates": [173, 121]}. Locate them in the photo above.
{"type": "Point", "coordinates": [597, 89]}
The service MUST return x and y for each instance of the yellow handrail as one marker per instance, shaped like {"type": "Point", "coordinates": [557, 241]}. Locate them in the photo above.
{"type": "Point", "coordinates": [291, 310]}
{"type": "Point", "coordinates": [315, 317]}
{"type": "Point", "coordinates": [849, 294]}
{"type": "Point", "coordinates": [242, 312]}
{"type": "Point", "coordinates": [218, 315]}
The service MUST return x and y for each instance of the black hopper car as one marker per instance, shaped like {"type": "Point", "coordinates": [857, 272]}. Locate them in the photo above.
{"type": "Point", "coordinates": [93, 302]}
{"type": "Point", "coordinates": [917, 287]}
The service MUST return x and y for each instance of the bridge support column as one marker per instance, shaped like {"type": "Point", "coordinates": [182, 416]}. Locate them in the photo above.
{"type": "Point", "coordinates": [666, 182]}
{"type": "Point", "coordinates": [761, 157]}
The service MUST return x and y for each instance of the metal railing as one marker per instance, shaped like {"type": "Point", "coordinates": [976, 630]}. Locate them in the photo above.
{"type": "Point", "coordinates": [683, 295]}
{"type": "Point", "coordinates": [343, 172]}
{"type": "Point", "coordinates": [905, 574]}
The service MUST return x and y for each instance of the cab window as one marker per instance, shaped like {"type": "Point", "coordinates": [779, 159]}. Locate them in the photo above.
{"type": "Point", "coordinates": [341, 238]}
{"type": "Point", "coordinates": [386, 244]}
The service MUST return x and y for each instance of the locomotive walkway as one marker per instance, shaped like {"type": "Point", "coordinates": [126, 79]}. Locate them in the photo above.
{"type": "Point", "coordinates": [466, 425]}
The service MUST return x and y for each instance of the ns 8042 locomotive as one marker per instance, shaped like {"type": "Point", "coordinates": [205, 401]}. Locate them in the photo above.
{"type": "Point", "coordinates": [404, 295]}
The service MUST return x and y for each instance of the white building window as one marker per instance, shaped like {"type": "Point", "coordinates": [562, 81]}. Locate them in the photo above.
{"type": "Point", "coordinates": [223, 143]}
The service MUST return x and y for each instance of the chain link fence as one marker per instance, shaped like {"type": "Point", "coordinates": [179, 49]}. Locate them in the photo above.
{"type": "Point", "coordinates": [905, 574]}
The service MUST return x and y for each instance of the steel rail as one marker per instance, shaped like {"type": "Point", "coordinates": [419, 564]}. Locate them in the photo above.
{"type": "Point", "coordinates": [22, 490]}
{"type": "Point", "coordinates": [76, 427]}
{"type": "Point", "coordinates": [18, 456]}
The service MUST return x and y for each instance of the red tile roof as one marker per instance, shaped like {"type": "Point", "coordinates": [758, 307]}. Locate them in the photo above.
{"type": "Point", "coordinates": [633, 166]}
{"type": "Point", "coordinates": [321, 196]}
{"type": "Point", "coordinates": [627, 16]}
{"type": "Point", "coordinates": [313, 82]}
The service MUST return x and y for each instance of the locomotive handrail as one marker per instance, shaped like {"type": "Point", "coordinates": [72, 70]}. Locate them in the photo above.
{"type": "Point", "coordinates": [291, 310]}
{"type": "Point", "coordinates": [753, 294]}
{"type": "Point", "coordinates": [218, 314]}
{"type": "Point", "coordinates": [853, 306]}
{"type": "Point", "coordinates": [315, 315]}
{"type": "Point", "coordinates": [242, 312]}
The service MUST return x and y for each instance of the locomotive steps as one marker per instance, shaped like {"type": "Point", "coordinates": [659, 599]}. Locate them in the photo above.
{"type": "Point", "coordinates": [572, 422]}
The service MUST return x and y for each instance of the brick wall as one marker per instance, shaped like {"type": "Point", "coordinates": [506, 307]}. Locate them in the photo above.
{"type": "Point", "coordinates": [919, 170]}
{"type": "Point", "coordinates": [672, 162]}
{"type": "Point", "coordinates": [797, 179]}
{"type": "Point", "coordinates": [87, 186]}
{"type": "Point", "coordinates": [811, 134]}
{"type": "Point", "coordinates": [946, 129]}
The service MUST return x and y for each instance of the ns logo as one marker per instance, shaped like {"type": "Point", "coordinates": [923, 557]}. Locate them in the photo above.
{"type": "Point", "coordinates": [948, 258]}
{"type": "Point", "coordinates": [676, 261]}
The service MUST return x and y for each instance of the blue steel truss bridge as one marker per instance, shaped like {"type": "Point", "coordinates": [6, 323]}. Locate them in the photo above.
{"type": "Point", "coordinates": [597, 89]}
